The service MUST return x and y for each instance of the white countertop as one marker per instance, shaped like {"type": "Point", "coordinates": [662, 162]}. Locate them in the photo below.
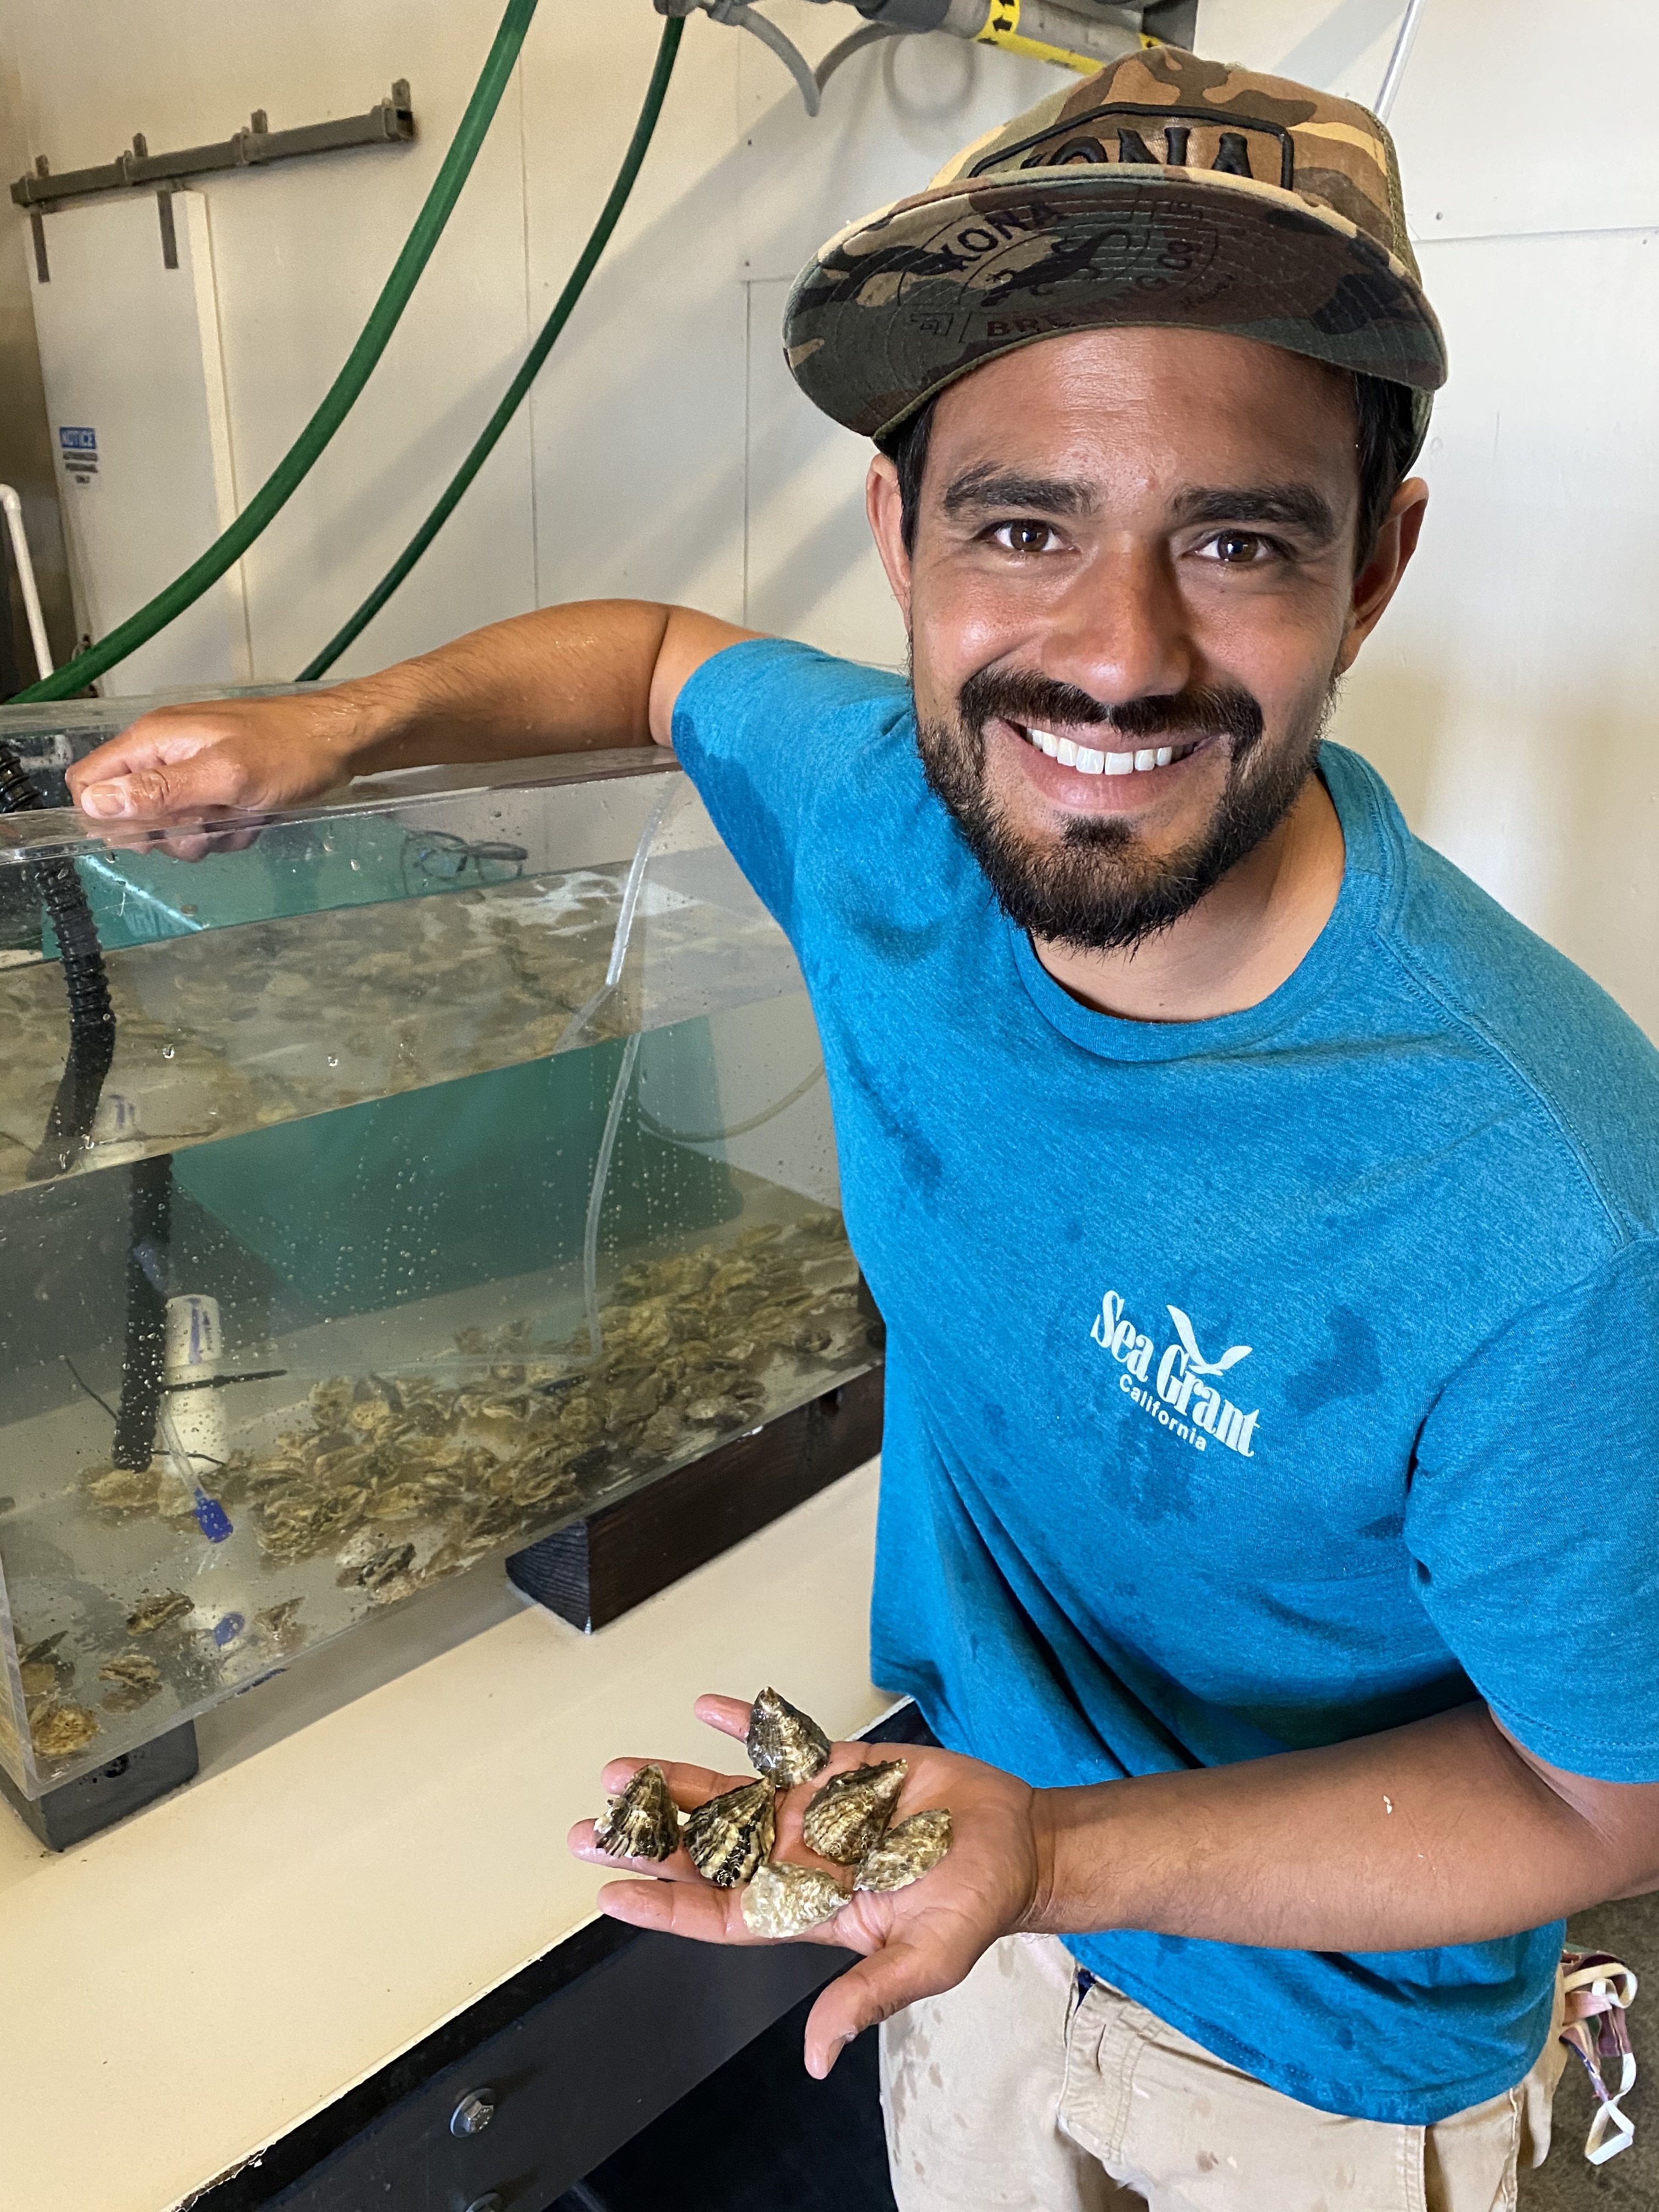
{"type": "Point", "coordinates": [184, 1990]}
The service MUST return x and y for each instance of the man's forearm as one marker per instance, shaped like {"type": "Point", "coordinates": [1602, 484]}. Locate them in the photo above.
{"type": "Point", "coordinates": [1439, 1832]}
{"type": "Point", "coordinates": [564, 679]}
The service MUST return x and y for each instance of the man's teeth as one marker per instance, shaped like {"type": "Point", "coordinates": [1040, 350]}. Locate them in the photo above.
{"type": "Point", "coordinates": [1088, 761]}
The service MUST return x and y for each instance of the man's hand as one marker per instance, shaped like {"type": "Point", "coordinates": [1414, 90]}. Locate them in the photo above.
{"type": "Point", "coordinates": [178, 763]}
{"type": "Point", "coordinates": [914, 1942]}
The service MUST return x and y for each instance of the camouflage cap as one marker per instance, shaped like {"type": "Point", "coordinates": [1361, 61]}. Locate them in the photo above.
{"type": "Point", "coordinates": [1163, 189]}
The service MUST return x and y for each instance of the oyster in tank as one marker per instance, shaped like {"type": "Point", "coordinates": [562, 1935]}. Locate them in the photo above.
{"type": "Point", "coordinates": [158, 1613]}
{"type": "Point", "coordinates": [785, 1743]}
{"type": "Point", "coordinates": [730, 1836]}
{"type": "Point", "coordinates": [57, 1730]}
{"type": "Point", "coordinates": [135, 1678]}
{"type": "Point", "coordinates": [850, 1816]}
{"type": "Point", "coordinates": [910, 1850]}
{"type": "Point", "coordinates": [643, 1823]}
{"type": "Point", "coordinates": [783, 1900]}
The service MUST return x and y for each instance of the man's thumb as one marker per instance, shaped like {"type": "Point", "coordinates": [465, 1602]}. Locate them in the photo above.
{"type": "Point", "coordinates": [873, 1991]}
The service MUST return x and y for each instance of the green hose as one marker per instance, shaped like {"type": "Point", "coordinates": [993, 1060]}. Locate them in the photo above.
{"type": "Point", "coordinates": [513, 397]}
{"type": "Point", "coordinates": [290, 471]}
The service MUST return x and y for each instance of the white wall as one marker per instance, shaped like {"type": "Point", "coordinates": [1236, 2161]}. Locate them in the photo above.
{"type": "Point", "coordinates": [1508, 695]}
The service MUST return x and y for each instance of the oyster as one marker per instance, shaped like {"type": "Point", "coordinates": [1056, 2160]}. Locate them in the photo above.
{"type": "Point", "coordinates": [392, 1589]}
{"type": "Point", "coordinates": [785, 1743]}
{"type": "Point", "coordinates": [136, 1679]}
{"type": "Point", "coordinates": [730, 1836]}
{"type": "Point", "coordinates": [910, 1850]}
{"type": "Point", "coordinates": [850, 1816]}
{"type": "Point", "coordinates": [643, 1823]}
{"type": "Point", "coordinates": [356, 1556]}
{"type": "Point", "coordinates": [786, 1900]}
{"type": "Point", "coordinates": [383, 1565]}
{"type": "Point", "coordinates": [722, 1413]}
{"type": "Point", "coordinates": [42, 1668]}
{"type": "Point", "coordinates": [126, 1489]}
{"type": "Point", "coordinates": [277, 1626]}
{"type": "Point", "coordinates": [157, 1612]}
{"type": "Point", "coordinates": [57, 1730]}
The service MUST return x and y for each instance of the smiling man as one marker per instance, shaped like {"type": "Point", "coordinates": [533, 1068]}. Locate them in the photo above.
{"type": "Point", "coordinates": [1263, 1221]}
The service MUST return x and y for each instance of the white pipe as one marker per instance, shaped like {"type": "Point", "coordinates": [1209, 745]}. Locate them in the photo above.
{"type": "Point", "coordinates": [20, 547]}
{"type": "Point", "coordinates": [1398, 59]}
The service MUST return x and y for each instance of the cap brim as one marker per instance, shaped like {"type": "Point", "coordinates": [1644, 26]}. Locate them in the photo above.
{"type": "Point", "coordinates": [905, 302]}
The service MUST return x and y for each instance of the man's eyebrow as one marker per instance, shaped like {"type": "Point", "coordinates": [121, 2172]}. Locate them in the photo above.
{"type": "Point", "coordinates": [987, 485]}
{"type": "Point", "coordinates": [1299, 507]}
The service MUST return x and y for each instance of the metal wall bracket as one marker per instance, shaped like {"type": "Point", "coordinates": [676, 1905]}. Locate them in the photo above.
{"type": "Point", "coordinates": [388, 123]}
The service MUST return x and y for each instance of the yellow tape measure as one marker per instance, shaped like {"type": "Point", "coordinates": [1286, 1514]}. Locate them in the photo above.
{"type": "Point", "coordinates": [1002, 29]}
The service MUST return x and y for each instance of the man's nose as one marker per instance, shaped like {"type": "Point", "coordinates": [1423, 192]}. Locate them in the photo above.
{"type": "Point", "coordinates": [1121, 631]}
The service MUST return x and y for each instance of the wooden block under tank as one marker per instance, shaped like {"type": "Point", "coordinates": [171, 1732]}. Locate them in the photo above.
{"type": "Point", "coordinates": [595, 1569]}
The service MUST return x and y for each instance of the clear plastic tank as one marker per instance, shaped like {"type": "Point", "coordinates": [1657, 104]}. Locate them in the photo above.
{"type": "Point", "coordinates": [465, 1162]}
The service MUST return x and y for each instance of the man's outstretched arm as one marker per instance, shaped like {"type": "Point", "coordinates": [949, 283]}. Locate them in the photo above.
{"type": "Point", "coordinates": [597, 674]}
{"type": "Point", "coordinates": [1442, 1831]}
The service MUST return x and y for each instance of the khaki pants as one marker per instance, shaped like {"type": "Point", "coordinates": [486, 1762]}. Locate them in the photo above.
{"type": "Point", "coordinates": [1006, 2093]}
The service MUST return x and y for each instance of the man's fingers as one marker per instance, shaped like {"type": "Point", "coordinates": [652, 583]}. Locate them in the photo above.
{"type": "Point", "coordinates": [706, 1914]}
{"type": "Point", "coordinates": [582, 1844]}
{"type": "Point", "coordinates": [873, 1991]}
{"type": "Point", "coordinates": [729, 1715]}
{"type": "Point", "coordinates": [689, 1786]}
{"type": "Point", "coordinates": [166, 791]}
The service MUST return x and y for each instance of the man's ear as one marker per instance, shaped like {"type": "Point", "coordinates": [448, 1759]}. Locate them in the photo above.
{"type": "Point", "coordinates": [885, 509]}
{"type": "Point", "coordinates": [1379, 580]}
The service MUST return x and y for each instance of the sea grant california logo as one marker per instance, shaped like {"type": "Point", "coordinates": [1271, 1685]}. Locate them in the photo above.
{"type": "Point", "coordinates": [1180, 1397]}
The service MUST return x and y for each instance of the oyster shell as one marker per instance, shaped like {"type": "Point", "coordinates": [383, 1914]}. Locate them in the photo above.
{"type": "Point", "coordinates": [785, 1743]}
{"type": "Point", "coordinates": [643, 1823]}
{"type": "Point", "coordinates": [392, 1589]}
{"type": "Point", "coordinates": [135, 1678]}
{"type": "Point", "coordinates": [722, 1413]}
{"type": "Point", "coordinates": [382, 1565]}
{"type": "Point", "coordinates": [729, 1837]}
{"type": "Point", "coordinates": [126, 1490]}
{"type": "Point", "coordinates": [157, 1612]}
{"type": "Point", "coordinates": [57, 1730]}
{"type": "Point", "coordinates": [910, 1850]}
{"type": "Point", "coordinates": [276, 1625]}
{"type": "Point", "coordinates": [850, 1816]}
{"type": "Point", "coordinates": [786, 1900]}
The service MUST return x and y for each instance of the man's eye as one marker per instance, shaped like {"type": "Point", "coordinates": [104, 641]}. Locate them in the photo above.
{"type": "Point", "coordinates": [1237, 548]}
{"type": "Point", "coordinates": [1023, 537]}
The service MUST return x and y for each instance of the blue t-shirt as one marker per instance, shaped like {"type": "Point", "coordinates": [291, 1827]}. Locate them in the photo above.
{"type": "Point", "coordinates": [1254, 1383]}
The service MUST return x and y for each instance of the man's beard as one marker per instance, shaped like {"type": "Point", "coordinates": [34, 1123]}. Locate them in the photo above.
{"type": "Point", "coordinates": [1096, 886]}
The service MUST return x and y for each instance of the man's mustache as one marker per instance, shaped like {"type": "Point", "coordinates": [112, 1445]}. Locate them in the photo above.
{"type": "Point", "coordinates": [1202, 710]}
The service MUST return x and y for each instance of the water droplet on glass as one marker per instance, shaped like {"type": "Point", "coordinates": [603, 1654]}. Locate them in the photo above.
{"type": "Point", "coordinates": [334, 1060]}
{"type": "Point", "coordinates": [167, 1051]}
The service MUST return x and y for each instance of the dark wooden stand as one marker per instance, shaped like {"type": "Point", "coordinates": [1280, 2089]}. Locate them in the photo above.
{"type": "Point", "coordinates": [595, 1569]}
{"type": "Point", "coordinates": [74, 1810]}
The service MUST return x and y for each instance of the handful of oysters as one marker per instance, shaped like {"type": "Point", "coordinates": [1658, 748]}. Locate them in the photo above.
{"type": "Point", "coordinates": [729, 1838]}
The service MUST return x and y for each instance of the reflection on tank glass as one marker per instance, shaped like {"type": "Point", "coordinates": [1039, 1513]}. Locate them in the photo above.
{"type": "Point", "coordinates": [464, 1161]}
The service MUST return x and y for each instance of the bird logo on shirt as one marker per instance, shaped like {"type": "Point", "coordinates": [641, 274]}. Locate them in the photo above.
{"type": "Point", "coordinates": [1197, 1364]}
